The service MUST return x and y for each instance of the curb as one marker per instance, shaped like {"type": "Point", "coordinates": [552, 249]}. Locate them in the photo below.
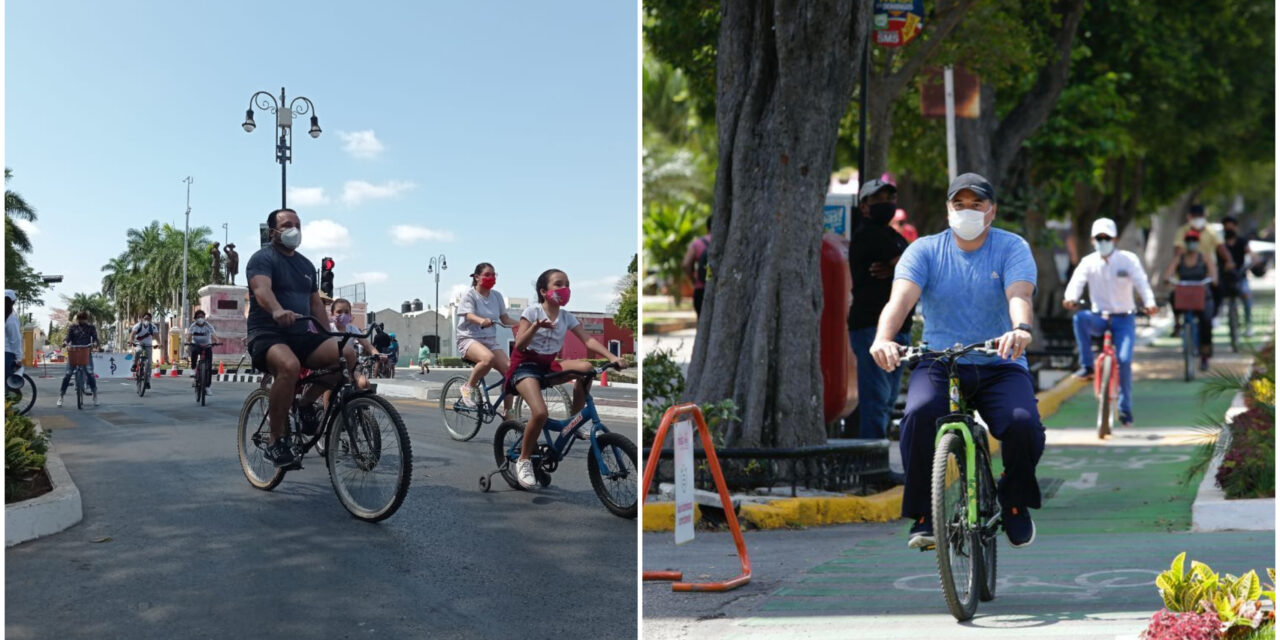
{"type": "Point", "coordinates": [1050, 400]}
{"type": "Point", "coordinates": [1212, 511]}
{"type": "Point", "coordinates": [785, 513]}
{"type": "Point", "coordinates": [48, 514]}
{"type": "Point", "coordinates": [237, 377]}
{"type": "Point", "coordinates": [671, 326]}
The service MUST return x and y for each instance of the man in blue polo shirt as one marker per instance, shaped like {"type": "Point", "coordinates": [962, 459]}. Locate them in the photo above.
{"type": "Point", "coordinates": [974, 283]}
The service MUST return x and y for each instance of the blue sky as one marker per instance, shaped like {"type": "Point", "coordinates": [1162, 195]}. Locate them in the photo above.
{"type": "Point", "coordinates": [487, 131]}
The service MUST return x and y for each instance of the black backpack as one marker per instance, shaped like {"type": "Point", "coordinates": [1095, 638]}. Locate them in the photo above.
{"type": "Point", "coordinates": [704, 261]}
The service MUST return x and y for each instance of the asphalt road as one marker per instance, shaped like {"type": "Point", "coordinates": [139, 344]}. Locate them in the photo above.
{"type": "Point", "coordinates": [176, 543]}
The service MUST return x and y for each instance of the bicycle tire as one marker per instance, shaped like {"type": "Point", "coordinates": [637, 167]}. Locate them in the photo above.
{"type": "Point", "coordinates": [1233, 320]}
{"type": "Point", "coordinates": [355, 453]}
{"type": "Point", "coordinates": [611, 444]}
{"type": "Point", "coordinates": [140, 377]}
{"type": "Point", "coordinates": [253, 435]}
{"type": "Point", "coordinates": [508, 436]}
{"type": "Point", "coordinates": [22, 401]}
{"type": "Point", "coordinates": [79, 388]}
{"type": "Point", "coordinates": [955, 542]}
{"type": "Point", "coordinates": [988, 504]}
{"type": "Point", "coordinates": [558, 404]}
{"type": "Point", "coordinates": [1104, 397]}
{"type": "Point", "coordinates": [461, 422]}
{"type": "Point", "coordinates": [1189, 344]}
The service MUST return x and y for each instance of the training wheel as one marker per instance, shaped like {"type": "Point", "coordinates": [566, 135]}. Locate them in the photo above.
{"type": "Point", "coordinates": [484, 483]}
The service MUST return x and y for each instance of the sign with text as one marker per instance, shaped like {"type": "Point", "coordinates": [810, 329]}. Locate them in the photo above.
{"type": "Point", "coordinates": [897, 23]}
{"type": "Point", "coordinates": [684, 481]}
{"type": "Point", "coordinates": [836, 212]}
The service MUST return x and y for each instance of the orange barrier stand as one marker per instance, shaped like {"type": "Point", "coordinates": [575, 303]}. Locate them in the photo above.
{"type": "Point", "coordinates": [651, 465]}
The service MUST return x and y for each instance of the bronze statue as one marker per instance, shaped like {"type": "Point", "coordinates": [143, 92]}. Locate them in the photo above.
{"type": "Point", "coordinates": [233, 262]}
{"type": "Point", "coordinates": [215, 276]}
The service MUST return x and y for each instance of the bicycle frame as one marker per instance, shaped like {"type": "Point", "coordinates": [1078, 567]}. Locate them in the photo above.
{"type": "Point", "coordinates": [958, 422]}
{"type": "Point", "coordinates": [1108, 350]}
{"type": "Point", "coordinates": [564, 443]}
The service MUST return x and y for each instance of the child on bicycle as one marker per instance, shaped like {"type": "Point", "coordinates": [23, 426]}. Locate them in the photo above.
{"type": "Point", "coordinates": [81, 334]}
{"type": "Point", "coordinates": [201, 334]}
{"type": "Point", "coordinates": [539, 339]}
{"type": "Point", "coordinates": [340, 311]}
{"type": "Point", "coordinates": [480, 309]}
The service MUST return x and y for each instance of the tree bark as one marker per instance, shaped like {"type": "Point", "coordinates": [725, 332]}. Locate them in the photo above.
{"type": "Point", "coordinates": [784, 76]}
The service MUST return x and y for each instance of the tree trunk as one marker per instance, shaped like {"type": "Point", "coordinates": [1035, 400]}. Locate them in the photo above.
{"type": "Point", "coordinates": [783, 80]}
{"type": "Point", "coordinates": [1164, 222]}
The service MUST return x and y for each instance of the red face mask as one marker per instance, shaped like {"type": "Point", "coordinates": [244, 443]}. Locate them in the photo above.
{"type": "Point", "coordinates": [488, 281]}
{"type": "Point", "coordinates": [559, 296]}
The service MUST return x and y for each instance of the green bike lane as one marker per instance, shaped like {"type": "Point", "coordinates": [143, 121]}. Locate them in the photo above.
{"type": "Point", "coordinates": [1114, 514]}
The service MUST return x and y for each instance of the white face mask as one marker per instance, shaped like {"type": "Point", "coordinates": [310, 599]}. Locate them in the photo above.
{"type": "Point", "coordinates": [966, 223]}
{"type": "Point", "coordinates": [1198, 223]}
{"type": "Point", "coordinates": [199, 320]}
{"type": "Point", "coordinates": [1105, 247]}
{"type": "Point", "coordinates": [291, 238]}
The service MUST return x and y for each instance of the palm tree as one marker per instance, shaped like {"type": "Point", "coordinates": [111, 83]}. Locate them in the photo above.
{"type": "Point", "coordinates": [19, 276]}
{"type": "Point", "coordinates": [96, 305]}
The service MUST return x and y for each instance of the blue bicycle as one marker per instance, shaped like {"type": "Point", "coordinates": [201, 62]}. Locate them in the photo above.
{"type": "Point", "coordinates": [611, 461]}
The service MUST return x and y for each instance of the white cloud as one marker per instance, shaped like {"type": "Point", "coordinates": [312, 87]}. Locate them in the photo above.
{"type": "Point", "coordinates": [361, 144]}
{"type": "Point", "coordinates": [307, 196]}
{"type": "Point", "coordinates": [355, 192]}
{"type": "Point", "coordinates": [324, 234]}
{"type": "Point", "coordinates": [29, 227]}
{"type": "Point", "coordinates": [370, 277]}
{"type": "Point", "coordinates": [407, 234]}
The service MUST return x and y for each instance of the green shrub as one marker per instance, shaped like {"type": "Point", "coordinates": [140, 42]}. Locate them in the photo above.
{"type": "Point", "coordinates": [1237, 601]}
{"type": "Point", "coordinates": [450, 362]}
{"type": "Point", "coordinates": [24, 454]}
{"type": "Point", "coordinates": [664, 387]}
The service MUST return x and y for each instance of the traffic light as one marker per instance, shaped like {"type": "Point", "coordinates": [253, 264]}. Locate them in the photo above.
{"type": "Point", "coordinates": [326, 276]}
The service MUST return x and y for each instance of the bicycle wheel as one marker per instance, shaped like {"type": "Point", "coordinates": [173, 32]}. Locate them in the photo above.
{"type": "Point", "coordinates": [370, 458]}
{"type": "Point", "coordinates": [79, 388]}
{"type": "Point", "coordinates": [557, 401]}
{"type": "Point", "coordinates": [1189, 348]}
{"type": "Point", "coordinates": [506, 448]}
{"type": "Point", "coordinates": [24, 398]}
{"type": "Point", "coordinates": [988, 505]}
{"type": "Point", "coordinates": [1233, 319]}
{"type": "Point", "coordinates": [1104, 396]}
{"type": "Point", "coordinates": [253, 435]}
{"type": "Point", "coordinates": [140, 377]}
{"type": "Point", "coordinates": [617, 489]}
{"type": "Point", "coordinates": [202, 381]}
{"type": "Point", "coordinates": [956, 542]}
{"type": "Point", "coordinates": [461, 422]}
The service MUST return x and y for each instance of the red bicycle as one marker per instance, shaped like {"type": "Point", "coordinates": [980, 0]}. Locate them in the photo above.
{"type": "Point", "coordinates": [1106, 381]}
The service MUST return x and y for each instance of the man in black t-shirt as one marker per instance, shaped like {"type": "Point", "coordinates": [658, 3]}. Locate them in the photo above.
{"type": "Point", "coordinates": [281, 341]}
{"type": "Point", "coordinates": [873, 252]}
{"type": "Point", "coordinates": [1235, 282]}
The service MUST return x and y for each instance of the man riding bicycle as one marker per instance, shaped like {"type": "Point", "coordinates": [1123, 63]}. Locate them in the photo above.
{"type": "Point", "coordinates": [1111, 276]}
{"type": "Point", "coordinates": [974, 283]}
{"type": "Point", "coordinates": [80, 334]}
{"type": "Point", "coordinates": [201, 334]}
{"type": "Point", "coordinates": [281, 341]}
{"type": "Point", "coordinates": [142, 334]}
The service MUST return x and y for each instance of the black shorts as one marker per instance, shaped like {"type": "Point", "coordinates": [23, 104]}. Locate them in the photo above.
{"type": "Point", "coordinates": [301, 344]}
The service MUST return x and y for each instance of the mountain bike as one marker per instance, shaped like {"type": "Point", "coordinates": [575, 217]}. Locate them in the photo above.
{"type": "Point", "coordinates": [1189, 299]}
{"type": "Point", "coordinates": [366, 444]}
{"type": "Point", "coordinates": [20, 390]}
{"type": "Point", "coordinates": [204, 371]}
{"type": "Point", "coordinates": [141, 367]}
{"type": "Point", "coordinates": [78, 360]}
{"type": "Point", "coordinates": [611, 461]}
{"type": "Point", "coordinates": [462, 421]}
{"type": "Point", "coordinates": [966, 512]}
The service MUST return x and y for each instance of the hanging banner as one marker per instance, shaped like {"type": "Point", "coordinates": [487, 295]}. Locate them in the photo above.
{"type": "Point", "coordinates": [897, 23]}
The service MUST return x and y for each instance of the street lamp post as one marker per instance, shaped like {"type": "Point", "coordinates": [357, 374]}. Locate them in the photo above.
{"type": "Point", "coordinates": [300, 106]}
{"type": "Point", "coordinates": [436, 265]}
{"type": "Point", "coordinates": [186, 249]}
{"type": "Point", "coordinates": [226, 235]}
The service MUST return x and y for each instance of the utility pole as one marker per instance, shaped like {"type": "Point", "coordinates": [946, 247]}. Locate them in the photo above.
{"type": "Point", "coordinates": [186, 249]}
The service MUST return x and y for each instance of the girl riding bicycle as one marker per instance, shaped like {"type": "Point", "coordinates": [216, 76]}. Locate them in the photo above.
{"type": "Point", "coordinates": [1191, 265]}
{"type": "Point", "coordinates": [480, 309]}
{"type": "Point", "coordinates": [539, 339]}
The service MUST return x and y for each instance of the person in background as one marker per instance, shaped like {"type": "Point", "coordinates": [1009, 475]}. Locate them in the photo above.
{"type": "Point", "coordinates": [1209, 244]}
{"type": "Point", "coordinates": [1238, 283]}
{"type": "Point", "coordinates": [80, 334]}
{"type": "Point", "coordinates": [904, 228]}
{"type": "Point", "coordinates": [393, 353]}
{"type": "Point", "coordinates": [695, 268]}
{"type": "Point", "coordinates": [424, 352]}
{"type": "Point", "coordinates": [12, 335]}
{"type": "Point", "coordinates": [873, 253]}
{"type": "Point", "coordinates": [1190, 265]}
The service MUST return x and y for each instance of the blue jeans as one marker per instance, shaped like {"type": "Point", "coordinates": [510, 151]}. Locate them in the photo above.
{"type": "Point", "coordinates": [877, 390]}
{"type": "Point", "coordinates": [89, 380]}
{"type": "Point", "coordinates": [1087, 325]}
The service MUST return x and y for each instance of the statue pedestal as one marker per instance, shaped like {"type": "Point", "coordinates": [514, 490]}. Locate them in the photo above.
{"type": "Point", "coordinates": [227, 308]}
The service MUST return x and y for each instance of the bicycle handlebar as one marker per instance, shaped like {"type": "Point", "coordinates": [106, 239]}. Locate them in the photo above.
{"type": "Point", "coordinates": [913, 355]}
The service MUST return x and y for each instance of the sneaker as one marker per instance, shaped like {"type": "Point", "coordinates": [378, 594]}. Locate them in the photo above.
{"type": "Point", "coordinates": [59, 401]}
{"type": "Point", "coordinates": [921, 534]}
{"type": "Point", "coordinates": [1019, 527]}
{"type": "Point", "coordinates": [524, 474]}
{"type": "Point", "coordinates": [1084, 373]}
{"type": "Point", "coordinates": [468, 396]}
{"type": "Point", "coordinates": [95, 399]}
{"type": "Point", "coordinates": [1126, 421]}
{"type": "Point", "coordinates": [280, 453]}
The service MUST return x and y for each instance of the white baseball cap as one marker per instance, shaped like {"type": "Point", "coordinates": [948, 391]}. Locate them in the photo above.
{"type": "Point", "coordinates": [11, 294]}
{"type": "Point", "coordinates": [1103, 226]}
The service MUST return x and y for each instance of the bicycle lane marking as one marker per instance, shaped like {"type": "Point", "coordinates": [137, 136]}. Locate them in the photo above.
{"type": "Point", "coordinates": [1101, 489]}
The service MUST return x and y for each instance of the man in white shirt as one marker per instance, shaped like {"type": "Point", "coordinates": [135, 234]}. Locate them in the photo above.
{"type": "Point", "coordinates": [12, 335]}
{"type": "Point", "coordinates": [1111, 277]}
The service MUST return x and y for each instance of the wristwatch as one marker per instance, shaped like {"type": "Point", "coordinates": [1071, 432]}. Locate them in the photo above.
{"type": "Point", "coordinates": [1025, 327]}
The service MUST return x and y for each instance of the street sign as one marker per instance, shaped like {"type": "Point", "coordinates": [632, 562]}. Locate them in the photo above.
{"type": "Point", "coordinates": [897, 23]}
{"type": "Point", "coordinates": [835, 214]}
{"type": "Point", "coordinates": [684, 481]}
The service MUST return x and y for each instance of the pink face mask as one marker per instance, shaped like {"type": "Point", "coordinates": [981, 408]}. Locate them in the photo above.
{"type": "Point", "coordinates": [488, 281]}
{"type": "Point", "coordinates": [559, 296]}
